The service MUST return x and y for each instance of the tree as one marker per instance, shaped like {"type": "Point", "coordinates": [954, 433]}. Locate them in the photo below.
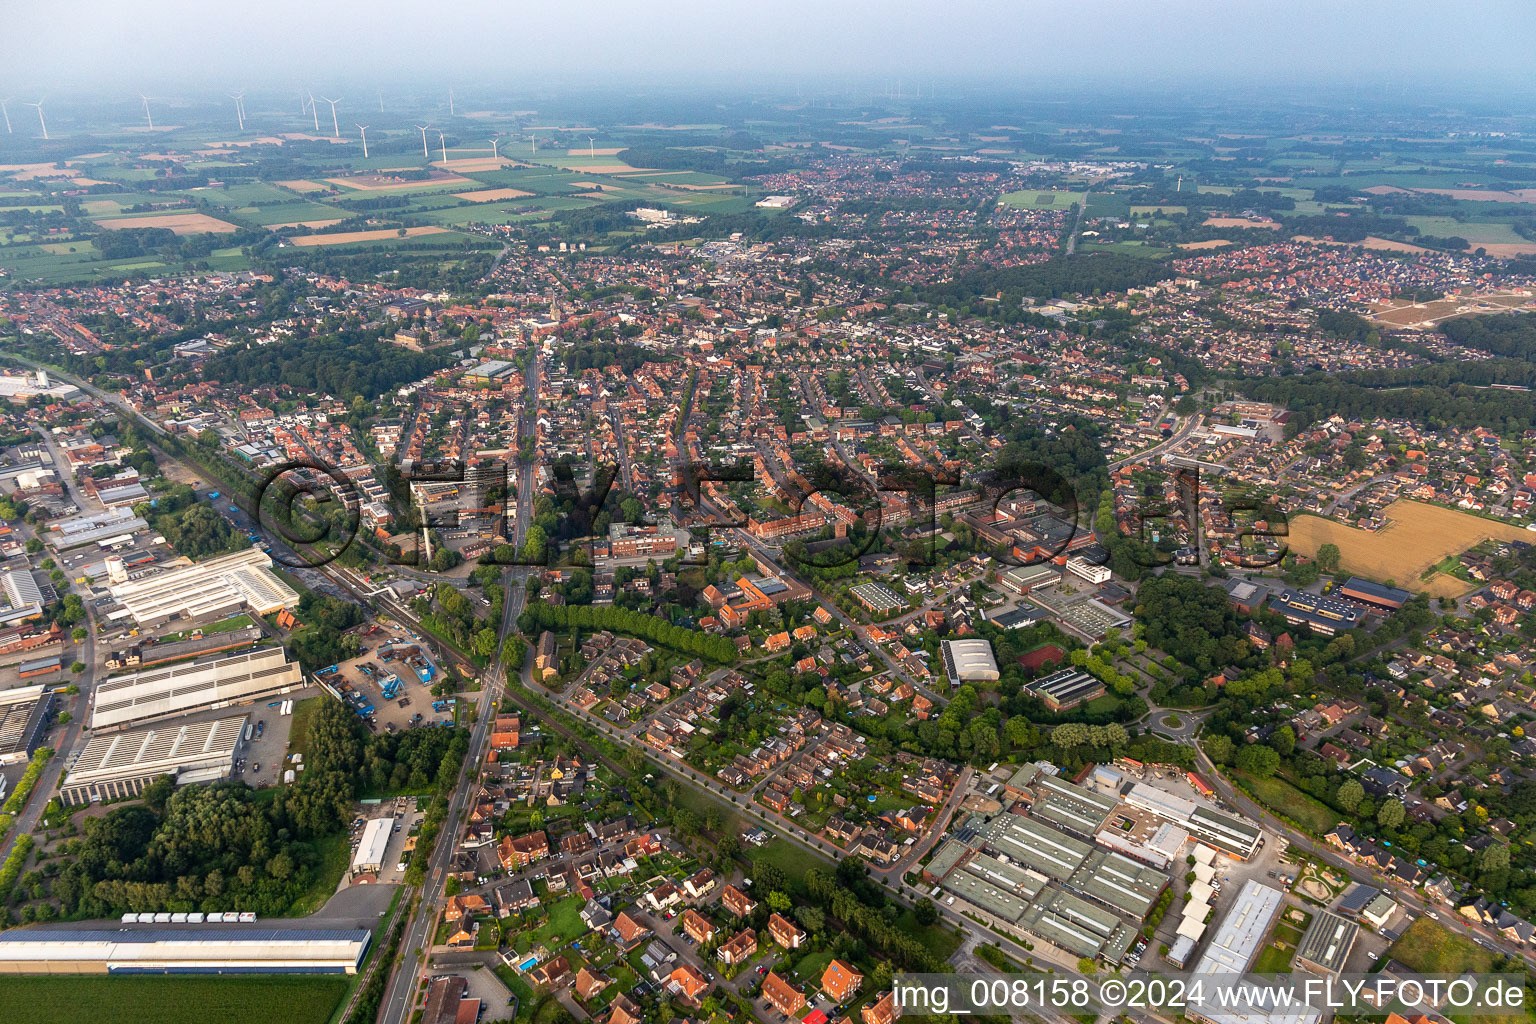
{"type": "Point", "coordinates": [925, 912]}
{"type": "Point", "coordinates": [1257, 760]}
{"type": "Point", "coordinates": [1349, 795]}
{"type": "Point", "coordinates": [1495, 857]}
{"type": "Point", "coordinates": [1219, 748]}
{"type": "Point", "coordinates": [1328, 557]}
{"type": "Point", "coordinates": [1391, 814]}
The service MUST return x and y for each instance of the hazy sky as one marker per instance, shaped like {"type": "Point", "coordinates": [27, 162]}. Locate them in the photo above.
{"type": "Point", "coordinates": [56, 45]}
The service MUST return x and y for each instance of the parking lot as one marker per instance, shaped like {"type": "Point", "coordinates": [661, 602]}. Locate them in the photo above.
{"type": "Point", "coordinates": [368, 673]}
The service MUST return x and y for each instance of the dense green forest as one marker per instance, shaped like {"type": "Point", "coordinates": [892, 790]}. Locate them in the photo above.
{"type": "Point", "coordinates": [346, 365]}
{"type": "Point", "coordinates": [192, 527]}
{"type": "Point", "coordinates": [1445, 394]}
{"type": "Point", "coordinates": [226, 847]}
{"type": "Point", "coordinates": [1092, 274]}
{"type": "Point", "coordinates": [1503, 335]}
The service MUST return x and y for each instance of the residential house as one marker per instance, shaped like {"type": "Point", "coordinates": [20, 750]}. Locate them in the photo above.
{"type": "Point", "coordinates": [785, 932]}
{"type": "Point", "coordinates": [781, 995]}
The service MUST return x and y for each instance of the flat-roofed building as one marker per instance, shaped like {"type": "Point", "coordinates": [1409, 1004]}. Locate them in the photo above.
{"type": "Point", "coordinates": [1069, 806]}
{"type": "Point", "coordinates": [1327, 943]}
{"type": "Point", "coordinates": [1230, 835]}
{"type": "Point", "coordinates": [1119, 883]}
{"type": "Point", "coordinates": [242, 581]}
{"type": "Point", "coordinates": [77, 531]}
{"type": "Point", "coordinates": [969, 661]}
{"type": "Point", "coordinates": [371, 847]}
{"type": "Point", "coordinates": [23, 597]}
{"type": "Point", "coordinates": [116, 765]}
{"type": "Point", "coordinates": [194, 949]}
{"type": "Point", "coordinates": [1326, 615]}
{"type": "Point", "coordinates": [1233, 947]}
{"type": "Point", "coordinates": [159, 693]}
{"type": "Point", "coordinates": [1078, 926]}
{"type": "Point", "coordinates": [1024, 578]}
{"type": "Point", "coordinates": [985, 895]}
{"type": "Point", "coordinates": [1142, 835]}
{"type": "Point", "coordinates": [877, 598]}
{"type": "Point", "coordinates": [1023, 882]}
{"type": "Point", "coordinates": [24, 715]}
{"type": "Point", "coordinates": [1047, 850]}
{"type": "Point", "coordinates": [1374, 595]}
{"type": "Point", "coordinates": [1065, 688]}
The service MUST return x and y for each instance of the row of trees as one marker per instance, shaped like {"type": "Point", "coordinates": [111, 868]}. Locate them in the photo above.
{"type": "Point", "coordinates": [540, 616]}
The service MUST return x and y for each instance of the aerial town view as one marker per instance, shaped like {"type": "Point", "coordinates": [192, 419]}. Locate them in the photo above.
{"type": "Point", "coordinates": [706, 514]}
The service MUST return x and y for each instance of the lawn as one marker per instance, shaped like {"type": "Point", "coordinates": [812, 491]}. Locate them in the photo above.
{"type": "Point", "coordinates": [809, 968]}
{"type": "Point", "coordinates": [1285, 799]}
{"type": "Point", "coordinates": [298, 730]}
{"type": "Point", "coordinates": [793, 860]}
{"type": "Point", "coordinates": [520, 989]}
{"type": "Point", "coordinates": [564, 924]}
{"type": "Point", "coordinates": [1431, 948]}
{"type": "Point", "coordinates": [939, 939]}
{"type": "Point", "coordinates": [1036, 199]}
{"type": "Point", "coordinates": [142, 999]}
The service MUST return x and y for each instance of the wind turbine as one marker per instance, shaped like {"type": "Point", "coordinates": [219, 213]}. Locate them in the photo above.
{"type": "Point", "coordinates": [239, 98]}
{"type": "Point", "coordinates": [423, 129]}
{"type": "Point", "coordinates": [147, 116]}
{"type": "Point", "coordinates": [496, 145]}
{"type": "Point", "coordinates": [591, 149]}
{"type": "Point", "coordinates": [40, 119]}
{"type": "Point", "coordinates": [535, 139]}
{"type": "Point", "coordinates": [444, 147]}
{"type": "Point", "coordinates": [381, 101]}
{"type": "Point", "coordinates": [335, 126]}
{"type": "Point", "coordinates": [314, 112]}
{"type": "Point", "coordinates": [7, 115]}
{"type": "Point", "coordinates": [363, 131]}
{"type": "Point", "coordinates": [450, 101]}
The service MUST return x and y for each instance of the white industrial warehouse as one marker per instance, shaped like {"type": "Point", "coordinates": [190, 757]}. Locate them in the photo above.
{"type": "Point", "coordinates": [370, 850]}
{"type": "Point", "coordinates": [194, 949]}
{"type": "Point", "coordinates": [242, 581]}
{"type": "Point", "coordinates": [158, 693]}
{"type": "Point", "coordinates": [969, 661]}
{"type": "Point", "coordinates": [115, 765]}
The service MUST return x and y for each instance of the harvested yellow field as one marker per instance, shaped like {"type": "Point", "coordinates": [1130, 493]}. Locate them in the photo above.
{"type": "Point", "coordinates": [1416, 537]}
{"type": "Point", "coordinates": [1209, 243]}
{"type": "Point", "coordinates": [344, 237]}
{"type": "Point", "coordinates": [180, 223]}
{"type": "Point", "coordinates": [492, 195]}
{"type": "Point", "coordinates": [303, 185]}
{"type": "Point", "coordinates": [380, 183]}
{"type": "Point", "coordinates": [313, 225]}
{"type": "Point", "coordinates": [598, 151]}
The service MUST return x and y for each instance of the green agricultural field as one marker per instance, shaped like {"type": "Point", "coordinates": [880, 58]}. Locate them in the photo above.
{"type": "Point", "coordinates": [1475, 232]}
{"type": "Point", "coordinates": [290, 213]}
{"type": "Point", "coordinates": [1032, 199]}
{"type": "Point", "coordinates": [143, 999]}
